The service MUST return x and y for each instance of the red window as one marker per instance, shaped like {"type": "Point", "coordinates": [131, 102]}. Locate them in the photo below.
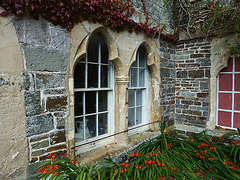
{"type": "Point", "coordinates": [228, 110]}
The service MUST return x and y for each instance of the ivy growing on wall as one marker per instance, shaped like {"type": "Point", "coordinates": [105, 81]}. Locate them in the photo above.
{"type": "Point", "coordinates": [210, 18]}
{"type": "Point", "coordinates": [115, 14]}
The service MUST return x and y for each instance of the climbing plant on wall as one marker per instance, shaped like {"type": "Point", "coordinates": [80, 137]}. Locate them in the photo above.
{"type": "Point", "coordinates": [115, 14]}
{"type": "Point", "coordinates": [212, 17]}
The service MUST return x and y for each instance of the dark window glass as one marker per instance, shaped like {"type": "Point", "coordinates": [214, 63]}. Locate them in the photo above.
{"type": "Point", "coordinates": [78, 103]}
{"type": "Point", "coordinates": [79, 75]}
{"type": "Point", "coordinates": [93, 50]}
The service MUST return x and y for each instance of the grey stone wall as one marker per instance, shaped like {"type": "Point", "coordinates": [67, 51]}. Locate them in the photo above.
{"type": "Point", "coordinates": [159, 11]}
{"type": "Point", "coordinates": [167, 86]}
{"type": "Point", "coordinates": [192, 82]}
{"type": "Point", "coordinates": [45, 51]}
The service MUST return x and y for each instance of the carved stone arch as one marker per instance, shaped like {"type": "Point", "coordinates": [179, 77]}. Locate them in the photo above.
{"type": "Point", "coordinates": [80, 39]}
{"type": "Point", "coordinates": [220, 54]}
{"type": "Point", "coordinates": [151, 58]}
{"type": "Point", "coordinates": [14, 148]}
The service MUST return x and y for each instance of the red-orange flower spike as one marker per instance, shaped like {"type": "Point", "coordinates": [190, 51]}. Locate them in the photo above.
{"type": "Point", "coordinates": [190, 139]}
{"type": "Point", "coordinates": [169, 146]}
{"type": "Point", "coordinates": [212, 148]}
{"type": "Point", "coordinates": [202, 157]}
{"type": "Point", "coordinates": [64, 155]}
{"type": "Point", "coordinates": [234, 141]}
{"type": "Point", "coordinates": [210, 159]}
{"type": "Point", "coordinates": [232, 167]}
{"type": "Point", "coordinates": [221, 138]}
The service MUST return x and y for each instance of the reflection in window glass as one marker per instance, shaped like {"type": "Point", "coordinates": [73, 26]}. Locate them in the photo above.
{"type": "Point", "coordinates": [102, 124]}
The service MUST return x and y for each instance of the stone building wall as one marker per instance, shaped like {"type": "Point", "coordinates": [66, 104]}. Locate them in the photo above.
{"type": "Point", "coordinates": [45, 51]}
{"type": "Point", "coordinates": [168, 80]}
{"type": "Point", "coordinates": [192, 82]}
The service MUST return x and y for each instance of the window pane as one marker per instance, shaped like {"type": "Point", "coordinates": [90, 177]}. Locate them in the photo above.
{"type": "Point", "coordinates": [104, 76]}
{"type": "Point", "coordinates": [139, 115]}
{"type": "Point", "coordinates": [78, 103]}
{"type": "Point", "coordinates": [93, 49]}
{"type": "Point", "coordinates": [92, 75]}
{"type": "Point", "coordinates": [131, 117]}
{"type": "Point", "coordinates": [134, 74]}
{"type": "Point", "coordinates": [102, 124]}
{"type": "Point", "coordinates": [91, 126]}
{"type": "Point", "coordinates": [139, 97]}
{"type": "Point", "coordinates": [142, 58]}
{"type": "Point", "coordinates": [102, 101]}
{"type": "Point", "coordinates": [90, 102]}
{"type": "Point", "coordinates": [131, 98]}
{"type": "Point", "coordinates": [79, 75]}
{"type": "Point", "coordinates": [79, 131]}
{"type": "Point", "coordinates": [141, 77]}
{"type": "Point", "coordinates": [134, 64]}
{"type": "Point", "coordinates": [104, 53]}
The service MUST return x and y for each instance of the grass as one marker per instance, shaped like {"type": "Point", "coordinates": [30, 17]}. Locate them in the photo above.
{"type": "Point", "coordinates": [165, 157]}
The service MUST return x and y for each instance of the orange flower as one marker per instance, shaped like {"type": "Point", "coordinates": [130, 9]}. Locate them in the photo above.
{"type": "Point", "coordinates": [199, 146]}
{"type": "Point", "coordinates": [212, 148]}
{"type": "Point", "coordinates": [234, 141]}
{"type": "Point", "coordinates": [190, 139]}
{"type": "Point", "coordinates": [124, 170]}
{"type": "Point", "coordinates": [202, 157]}
{"type": "Point", "coordinates": [221, 138]}
{"type": "Point", "coordinates": [52, 156]}
{"type": "Point", "coordinates": [73, 162]}
{"type": "Point", "coordinates": [232, 168]}
{"type": "Point", "coordinates": [210, 159]}
{"type": "Point", "coordinates": [64, 155]}
{"type": "Point", "coordinates": [163, 142]}
{"type": "Point", "coordinates": [169, 146]}
{"type": "Point", "coordinates": [173, 167]}
{"type": "Point", "coordinates": [56, 166]}
{"type": "Point", "coordinates": [204, 144]}
{"type": "Point", "coordinates": [139, 166]}
{"type": "Point", "coordinates": [166, 133]}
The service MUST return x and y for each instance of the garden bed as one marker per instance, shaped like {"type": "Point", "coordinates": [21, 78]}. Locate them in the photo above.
{"type": "Point", "coordinates": [165, 157]}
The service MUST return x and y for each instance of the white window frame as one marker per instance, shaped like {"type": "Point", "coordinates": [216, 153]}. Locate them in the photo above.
{"type": "Point", "coordinates": [110, 101]}
{"type": "Point", "coordinates": [145, 90]}
{"type": "Point", "coordinates": [233, 92]}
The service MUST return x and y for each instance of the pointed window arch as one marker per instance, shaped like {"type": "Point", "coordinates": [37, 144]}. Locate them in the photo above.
{"type": "Point", "coordinates": [138, 90]}
{"type": "Point", "coordinates": [93, 89]}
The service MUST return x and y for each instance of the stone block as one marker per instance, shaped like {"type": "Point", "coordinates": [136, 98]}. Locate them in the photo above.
{"type": "Point", "coordinates": [204, 85]}
{"type": "Point", "coordinates": [56, 103]}
{"type": "Point", "coordinates": [32, 102]}
{"type": "Point", "coordinates": [27, 79]}
{"type": "Point", "coordinates": [55, 148]}
{"type": "Point", "coordinates": [202, 95]}
{"type": "Point", "coordinates": [47, 80]}
{"type": "Point", "coordinates": [39, 138]}
{"type": "Point", "coordinates": [39, 124]}
{"type": "Point", "coordinates": [60, 123]}
{"type": "Point", "coordinates": [205, 114]}
{"type": "Point", "coordinates": [43, 59]}
{"type": "Point", "coordinates": [38, 153]}
{"type": "Point", "coordinates": [196, 55]}
{"type": "Point", "coordinates": [37, 32]}
{"type": "Point", "coordinates": [57, 137]}
{"type": "Point", "coordinates": [207, 73]}
{"type": "Point", "coordinates": [196, 74]}
{"type": "Point", "coordinates": [40, 145]}
{"type": "Point", "coordinates": [182, 74]}
{"type": "Point", "coordinates": [55, 91]}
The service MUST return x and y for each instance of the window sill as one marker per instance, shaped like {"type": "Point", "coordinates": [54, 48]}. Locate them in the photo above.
{"type": "Point", "coordinates": [108, 149]}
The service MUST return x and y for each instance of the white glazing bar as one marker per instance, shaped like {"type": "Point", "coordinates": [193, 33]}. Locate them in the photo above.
{"type": "Point", "coordinates": [84, 118]}
{"type": "Point", "coordinates": [135, 103]}
{"type": "Point", "coordinates": [99, 66]}
{"type": "Point", "coordinates": [233, 88]}
{"type": "Point", "coordinates": [97, 113]}
{"type": "Point", "coordinates": [217, 99]}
